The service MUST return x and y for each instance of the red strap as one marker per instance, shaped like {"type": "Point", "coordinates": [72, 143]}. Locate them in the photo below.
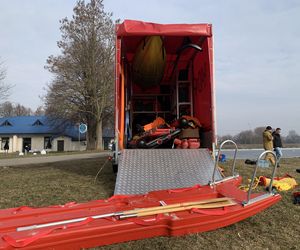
{"type": "Point", "coordinates": [25, 208]}
{"type": "Point", "coordinates": [119, 197]}
{"type": "Point", "coordinates": [151, 222]}
{"type": "Point", "coordinates": [72, 203]}
{"type": "Point", "coordinates": [67, 205]}
{"type": "Point", "coordinates": [26, 241]}
{"type": "Point", "coordinates": [210, 211]}
{"type": "Point", "coordinates": [179, 190]}
{"type": "Point", "coordinates": [22, 208]}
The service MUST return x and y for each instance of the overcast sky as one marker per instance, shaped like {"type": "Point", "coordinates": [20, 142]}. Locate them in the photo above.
{"type": "Point", "coordinates": [257, 52]}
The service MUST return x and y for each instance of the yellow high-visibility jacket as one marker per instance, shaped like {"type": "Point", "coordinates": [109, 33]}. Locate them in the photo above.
{"type": "Point", "coordinates": [267, 140]}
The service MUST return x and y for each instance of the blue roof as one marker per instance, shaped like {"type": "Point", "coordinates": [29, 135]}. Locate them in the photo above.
{"type": "Point", "coordinates": [35, 125]}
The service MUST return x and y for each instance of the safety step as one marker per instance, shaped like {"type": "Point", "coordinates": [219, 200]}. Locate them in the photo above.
{"type": "Point", "coordinates": [144, 170]}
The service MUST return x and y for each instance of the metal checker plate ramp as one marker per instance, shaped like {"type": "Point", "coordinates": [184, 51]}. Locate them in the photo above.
{"type": "Point", "coordinates": [144, 170]}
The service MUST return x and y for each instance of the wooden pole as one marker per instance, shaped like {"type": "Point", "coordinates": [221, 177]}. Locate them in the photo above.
{"type": "Point", "coordinates": [177, 209]}
{"type": "Point", "coordinates": [211, 203]}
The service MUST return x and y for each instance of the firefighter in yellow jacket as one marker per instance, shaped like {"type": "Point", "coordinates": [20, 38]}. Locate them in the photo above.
{"type": "Point", "coordinates": [268, 143]}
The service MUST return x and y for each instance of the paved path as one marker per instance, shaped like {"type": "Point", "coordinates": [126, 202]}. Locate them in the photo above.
{"type": "Point", "coordinates": [46, 159]}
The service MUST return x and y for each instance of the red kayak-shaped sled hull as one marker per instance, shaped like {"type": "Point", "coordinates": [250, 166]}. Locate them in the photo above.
{"type": "Point", "coordinates": [97, 232]}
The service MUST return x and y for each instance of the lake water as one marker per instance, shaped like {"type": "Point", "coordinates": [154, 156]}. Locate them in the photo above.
{"type": "Point", "coordinates": [254, 153]}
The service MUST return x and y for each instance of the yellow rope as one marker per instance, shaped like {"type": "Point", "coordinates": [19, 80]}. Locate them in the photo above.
{"type": "Point", "coordinates": [246, 187]}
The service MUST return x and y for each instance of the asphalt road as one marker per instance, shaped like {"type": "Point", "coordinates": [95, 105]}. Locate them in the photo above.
{"type": "Point", "coordinates": [242, 154]}
{"type": "Point", "coordinates": [47, 159]}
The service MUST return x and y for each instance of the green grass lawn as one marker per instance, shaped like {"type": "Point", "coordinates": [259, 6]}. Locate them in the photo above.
{"type": "Point", "coordinates": [57, 183]}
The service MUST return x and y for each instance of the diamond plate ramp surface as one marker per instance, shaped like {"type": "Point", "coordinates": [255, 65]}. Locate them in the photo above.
{"type": "Point", "coordinates": [144, 170]}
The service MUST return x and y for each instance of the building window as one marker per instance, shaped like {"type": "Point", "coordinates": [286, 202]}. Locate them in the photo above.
{"type": "Point", "coordinates": [4, 143]}
{"type": "Point", "coordinates": [37, 123]}
{"type": "Point", "coordinates": [47, 142]}
{"type": "Point", "coordinates": [6, 123]}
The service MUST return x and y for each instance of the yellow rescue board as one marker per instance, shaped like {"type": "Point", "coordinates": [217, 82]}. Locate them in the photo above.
{"type": "Point", "coordinates": [149, 62]}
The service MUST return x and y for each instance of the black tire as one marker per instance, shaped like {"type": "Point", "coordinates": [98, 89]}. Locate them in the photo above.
{"type": "Point", "coordinates": [115, 168]}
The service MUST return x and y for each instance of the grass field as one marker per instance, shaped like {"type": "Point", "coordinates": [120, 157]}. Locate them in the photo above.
{"type": "Point", "coordinates": [58, 183]}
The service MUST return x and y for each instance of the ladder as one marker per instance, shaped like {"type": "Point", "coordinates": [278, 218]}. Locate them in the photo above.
{"type": "Point", "coordinates": [184, 97]}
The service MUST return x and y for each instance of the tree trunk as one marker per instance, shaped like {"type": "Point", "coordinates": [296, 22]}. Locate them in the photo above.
{"type": "Point", "coordinates": [91, 133]}
{"type": "Point", "coordinates": [99, 140]}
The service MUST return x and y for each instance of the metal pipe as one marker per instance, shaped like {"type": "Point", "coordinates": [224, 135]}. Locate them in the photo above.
{"type": "Point", "coordinates": [254, 175]}
{"type": "Point", "coordinates": [217, 161]}
{"type": "Point", "coordinates": [58, 223]}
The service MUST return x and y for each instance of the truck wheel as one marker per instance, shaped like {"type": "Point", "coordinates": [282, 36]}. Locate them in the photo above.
{"type": "Point", "coordinates": [115, 168]}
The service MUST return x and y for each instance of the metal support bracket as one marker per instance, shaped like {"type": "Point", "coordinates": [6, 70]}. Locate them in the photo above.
{"type": "Point", "coordinates": [234, 175]}
{"type": "Point", "coordinates": [270, 192]}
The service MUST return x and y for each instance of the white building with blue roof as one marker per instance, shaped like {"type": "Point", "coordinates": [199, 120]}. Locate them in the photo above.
{"type": "Point", "coordinates": [35, 133]}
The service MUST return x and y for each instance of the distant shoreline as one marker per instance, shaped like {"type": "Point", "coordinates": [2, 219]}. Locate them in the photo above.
{"type": "Point", "coordinates": [253, 153]}
{"type": "Point", "coordinates": [254, 149]}
{"type": "Point", "coordinates": [259, 146]}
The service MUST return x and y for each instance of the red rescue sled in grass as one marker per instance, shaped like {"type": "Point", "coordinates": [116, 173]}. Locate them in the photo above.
{"type": "Point", "coordinates": [91, 232]}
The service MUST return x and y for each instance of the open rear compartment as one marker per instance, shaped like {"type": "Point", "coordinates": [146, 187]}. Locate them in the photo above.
{"type": "Point", "coordinates": [164, 73]}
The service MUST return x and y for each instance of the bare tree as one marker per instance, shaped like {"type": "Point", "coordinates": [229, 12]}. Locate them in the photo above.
{"type": "Point", "coordinates": [257, 136]}
{"type": "Point", "coordinates": [292, 137]}
{"type": "Point", "coordinates": [20, 110]}
{"type": "Point", "coordinates": [83, 85]}
{"type": "Point", "coordinates": [244, 137]}
{"type": "Point", "coordinates": [8, 109]}
{"type": "Point", "coordinates": [4, 88]}
{"type": "Point", "coordinates": [39, 111]}
{"type": "Point", "coordinates": [224, 138]}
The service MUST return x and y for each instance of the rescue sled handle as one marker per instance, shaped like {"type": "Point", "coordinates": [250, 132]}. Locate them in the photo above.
{"type": "Point", "coordinates": [211, 203]}
{"type": "Point", "coordinates": [270, 192]}
{"type": "Point", "coordinates": [234, 175]}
